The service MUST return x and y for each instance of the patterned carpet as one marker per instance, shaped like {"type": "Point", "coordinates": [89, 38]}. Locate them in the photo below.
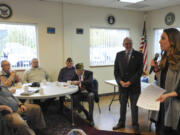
{"type": "Point", "coordinates": [60, 124]}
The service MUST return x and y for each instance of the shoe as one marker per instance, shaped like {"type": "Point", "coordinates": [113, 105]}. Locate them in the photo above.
{"type": "Point", "coordinates": [136, 128]}
{"type": "Point", "coordinates": [91, 123]}
{"type": "Point", "coordinates": [43, 131]}
{"type": "Point", "coordinates": [119, 126]}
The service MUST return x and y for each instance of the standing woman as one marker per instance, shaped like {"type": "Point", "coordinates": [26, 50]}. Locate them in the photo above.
{"type": "Point", "coordinates": [168, 74]}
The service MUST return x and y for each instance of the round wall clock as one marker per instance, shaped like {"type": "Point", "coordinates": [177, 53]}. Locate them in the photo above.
{"type": "Point", "coordinates": [170, 18]}
{"type": "Point", "coordinates": [111, 19]}
{"type": "Point", "coordinates": [5, 11]}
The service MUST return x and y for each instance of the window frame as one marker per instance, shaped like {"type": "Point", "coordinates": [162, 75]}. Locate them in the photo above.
{"type": "Point", "coordinates": [37, 40]}
{"type": "Point", "coordinates": [114, 28]}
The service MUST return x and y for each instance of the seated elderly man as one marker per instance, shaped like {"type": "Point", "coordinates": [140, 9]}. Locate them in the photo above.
{"type": "Point", "coordinates": [66, 74]}
{"type": "Point", "coordinates": [13, 109]}
{"type": "Point", "coordinates": [84, 79]}
{"type": "Point", "coordinates": [35, 74]}
{"type": "Point", "coordinates": [7, 77]}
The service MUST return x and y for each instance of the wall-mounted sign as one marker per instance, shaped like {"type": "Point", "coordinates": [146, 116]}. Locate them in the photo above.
{"type": "Point", "coordinates": [5, 11]}
{"type": "Point", "coordinates": [111, 19]}
{"type": "Point", "coordinates": [169, 18]}
{"type": "Point", "coordinates": [79, 31]}
{"type": "Point", "coordinates": [51, 30]}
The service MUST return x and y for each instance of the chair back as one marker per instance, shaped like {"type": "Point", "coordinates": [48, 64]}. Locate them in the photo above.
{"type": "Point", "coordinates": [95, 90]}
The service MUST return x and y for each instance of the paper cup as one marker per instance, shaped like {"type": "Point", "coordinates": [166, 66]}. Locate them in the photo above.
{"type": "Point", "coordinates": [41, 91]}
{"type": "Point", "coordinates": [26, 88]}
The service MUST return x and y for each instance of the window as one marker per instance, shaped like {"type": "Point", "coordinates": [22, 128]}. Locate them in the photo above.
{"type": "Point", "coordinates": [18, 44]}
{"type": "Point", "coordinates": [104, 44]}
{"type": "Point", "coordinates": [157, 37]}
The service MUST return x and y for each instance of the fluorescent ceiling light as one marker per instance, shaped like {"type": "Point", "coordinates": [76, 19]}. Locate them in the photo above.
{"type": "Point", "coordinates": [131, 1]}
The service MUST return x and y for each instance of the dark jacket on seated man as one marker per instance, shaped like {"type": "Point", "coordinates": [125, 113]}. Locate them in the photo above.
{"type": "Point", "coordinates": [87, 80]}
{"type": "Point", "coordinates": [84, 79]}
{"type": "Point", "coordinates": [88, 83]}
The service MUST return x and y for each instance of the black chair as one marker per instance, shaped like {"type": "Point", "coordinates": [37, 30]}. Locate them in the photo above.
{"type": "Point", "coordinates": [95, 87]}
{"type": "Point", "coordinates": [95, 91]}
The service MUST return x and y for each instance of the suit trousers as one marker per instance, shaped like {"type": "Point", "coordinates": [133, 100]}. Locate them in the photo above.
{"type": "Point", "coordinates": [84, 96]}
{"type": "Point", "coordinates": [123, 98]}
{"type": "Point", "coordinates": [33, 114]}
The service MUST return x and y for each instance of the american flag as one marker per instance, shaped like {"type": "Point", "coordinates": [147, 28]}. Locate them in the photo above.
{"type": "Point", "coordinates": [143, 48]}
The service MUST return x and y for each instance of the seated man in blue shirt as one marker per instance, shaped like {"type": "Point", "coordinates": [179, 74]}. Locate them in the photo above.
{"type": "Point", "coordinates": [66, 74]}
{"type": "Point", "coordinates": [13, 109]}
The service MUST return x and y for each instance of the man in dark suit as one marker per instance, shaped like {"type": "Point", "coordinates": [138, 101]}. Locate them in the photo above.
{"type": "Point", "coordinates": [128, 69]}
{"type": "Point", "coordinates": [84, 79]}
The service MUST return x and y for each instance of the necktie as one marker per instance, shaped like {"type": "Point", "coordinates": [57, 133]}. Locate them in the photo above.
{"type": "Point", "coordinates": [80, 81]}
{"type": "Point", "coordinates": [127, 57]}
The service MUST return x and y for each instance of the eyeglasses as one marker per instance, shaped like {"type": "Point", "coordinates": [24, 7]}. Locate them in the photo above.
{"type": "Point", "coordinates": [128, 43]}
{"type": "Point", "coordinates": [6, 65]}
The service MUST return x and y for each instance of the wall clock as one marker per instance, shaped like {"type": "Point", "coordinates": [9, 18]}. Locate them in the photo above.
{"type": "Point", "coordinates": [169, 18]}
{"type": "Point", "coordinates": [5, 11]}
{"type": "Point", "coordinates": [111, 19]}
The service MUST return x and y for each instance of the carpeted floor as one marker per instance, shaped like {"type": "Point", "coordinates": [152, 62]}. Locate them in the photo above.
{"type": "Point", "coordinates": [60, 124]}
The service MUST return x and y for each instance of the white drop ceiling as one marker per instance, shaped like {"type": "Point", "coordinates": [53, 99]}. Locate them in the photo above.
{"type": "Point", "coordinates": [146, 5]}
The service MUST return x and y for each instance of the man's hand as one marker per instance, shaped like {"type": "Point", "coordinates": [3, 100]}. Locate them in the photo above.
{"type": "Point", "coordinates": [23, 108]}
{"type": "Point", "coordinates": [125, 84]}
{"type": "Point", "coordinates": [13, 73]}
{"type": "Point", "coordinates": [75, 82]}
{"type": "Point", "coordinates": [7, 108]}
{"type": "Point", "coordinates": [12, 91]}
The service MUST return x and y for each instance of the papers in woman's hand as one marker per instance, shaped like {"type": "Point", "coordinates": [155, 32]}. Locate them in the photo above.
{"type": "Point", "coordinates": [147, 98]}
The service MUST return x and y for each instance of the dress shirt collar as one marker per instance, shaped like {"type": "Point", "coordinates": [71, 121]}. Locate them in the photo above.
{"type": "Point", "coordinates": [130, 52]}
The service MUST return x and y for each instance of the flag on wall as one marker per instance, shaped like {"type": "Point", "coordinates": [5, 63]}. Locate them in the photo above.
{"type": "Point", "coordinates": [143, 48]}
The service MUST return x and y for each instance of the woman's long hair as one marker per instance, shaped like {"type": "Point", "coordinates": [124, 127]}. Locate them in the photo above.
{"type": "Point", "coordinates": [173, 53]}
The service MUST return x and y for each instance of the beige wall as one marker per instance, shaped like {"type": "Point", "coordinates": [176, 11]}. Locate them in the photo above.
{"type": "Point", "coordinates": [43, 14]}
{"type": "Point", "coordinates": [54, 49]}
{"type": "Point", "coordinates": [77, 46]}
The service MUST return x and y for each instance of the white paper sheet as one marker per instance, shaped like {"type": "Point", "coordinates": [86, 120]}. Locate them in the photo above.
{"type": "Point", "coordinates": [147, 98]}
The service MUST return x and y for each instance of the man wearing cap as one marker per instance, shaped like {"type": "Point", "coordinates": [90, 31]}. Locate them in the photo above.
{"type": "Point", "coordinates": [66, 74]}
{"type": "Point", "coordinates": [84, 79]}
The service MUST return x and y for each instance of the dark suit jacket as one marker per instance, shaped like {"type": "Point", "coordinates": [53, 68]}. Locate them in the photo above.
{"type": "Point", "coordinates": [87, 80]}
{"type": "Point", "coordinates": [129, 72]}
